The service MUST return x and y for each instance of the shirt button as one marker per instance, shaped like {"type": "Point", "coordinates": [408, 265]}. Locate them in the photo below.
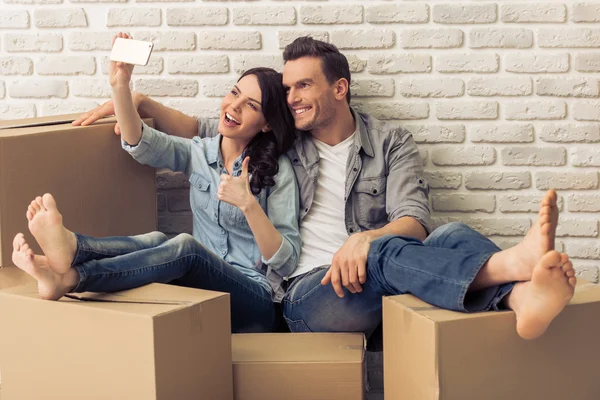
{"type": "Point", "coordinates": [222, 230]}
{"type": "Point", "coordinates": [351, 230]}
{"type": "Point", "coordinates": [374, 191]}
{"type": "Point", "coordinates": [223, 252]}
{"type": "Point", "coordinates": [215, 215]}
{"type": "Point", "coordinates": [306, 210]}
{"type": "Point", "coordinates": [354, 169]}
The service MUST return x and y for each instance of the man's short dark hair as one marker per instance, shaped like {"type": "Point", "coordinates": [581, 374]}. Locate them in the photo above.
{"type": "Point", "coordinates": [334, 64]}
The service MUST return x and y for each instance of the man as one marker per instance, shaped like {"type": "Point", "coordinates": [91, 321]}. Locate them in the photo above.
{"type": "Point", "coordinates": [365, 218]}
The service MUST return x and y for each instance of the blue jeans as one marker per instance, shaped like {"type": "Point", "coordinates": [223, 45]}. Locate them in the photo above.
{"type": "Point", "coordinates": [438, 271]}
{"type": "Point", "coordinates": [118, 263]}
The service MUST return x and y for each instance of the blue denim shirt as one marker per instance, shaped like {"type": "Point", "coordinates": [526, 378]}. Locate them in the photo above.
{"type": "Point", "coordinates": [219, 226]}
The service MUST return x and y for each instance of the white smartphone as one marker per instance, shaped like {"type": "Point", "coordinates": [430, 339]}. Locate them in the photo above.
{"type": "Point", "coordinates": [131, 51]}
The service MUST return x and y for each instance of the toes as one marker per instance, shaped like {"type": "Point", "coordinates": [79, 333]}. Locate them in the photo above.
{"type": "Point", "coordinates": [38, 201]}
{"type": "Point", "coordinates": [35, 206]}
{"type": "Point", "coordinates": [573, 281]}
{"type": "Point", "coordinates": [570, 273]}
{"type": "Point", "coordinates": [29, 215]}
{"type": "Point", "coordinates": [551, 259]}
{"type": "Point", "coordinates": [564, 258]}
{"type": "Point", "coordinates": [48, 201]}
{"type": "Point", "coordinates": [17, 241]}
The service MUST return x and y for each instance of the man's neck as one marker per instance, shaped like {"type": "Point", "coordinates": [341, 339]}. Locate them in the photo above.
{"type": "Point", "coordinates": [340, 128]}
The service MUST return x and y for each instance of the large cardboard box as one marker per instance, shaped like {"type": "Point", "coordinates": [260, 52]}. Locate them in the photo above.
{"type": "Point", "coordinates": [434, 354]}
{"type": "Point", "coordinates": [298, 366]}
{"type": "Point", "coordinates": [100, 189]}
{"type": "Point", "coordinates": [156, 342]}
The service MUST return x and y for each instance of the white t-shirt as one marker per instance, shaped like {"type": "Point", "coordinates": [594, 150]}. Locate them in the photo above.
{"type": "Point", "coordinates": [323, 230]}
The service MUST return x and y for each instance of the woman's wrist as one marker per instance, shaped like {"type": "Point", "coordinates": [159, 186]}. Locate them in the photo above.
{"type": "Point", "coordinates": [250, 206]}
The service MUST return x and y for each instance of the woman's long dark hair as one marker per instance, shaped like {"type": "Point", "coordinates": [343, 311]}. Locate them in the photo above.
{"type": "Point", "coordinates": [265, 148]}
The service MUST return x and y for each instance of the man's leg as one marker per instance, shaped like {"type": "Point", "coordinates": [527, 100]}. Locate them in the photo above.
{"type": "Point", "coordinates": [182, 261]}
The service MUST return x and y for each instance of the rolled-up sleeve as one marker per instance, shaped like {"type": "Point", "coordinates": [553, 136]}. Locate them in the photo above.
{"type": "Point", "coordinates": [407, 189]}
{"type": "Point", "coordinates": [282, 210]}
{"type": "Point", "coordinates": [160, 150]}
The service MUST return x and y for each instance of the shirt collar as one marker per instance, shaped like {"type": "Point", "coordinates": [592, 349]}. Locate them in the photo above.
{"type": "Point", "coordinates": [213, 155]}
{"type": "Point", "coordinates": [362, 140]}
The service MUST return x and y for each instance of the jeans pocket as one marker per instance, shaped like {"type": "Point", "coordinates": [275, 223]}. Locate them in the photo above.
{"type": "Point", "coordinates": [297, 325]}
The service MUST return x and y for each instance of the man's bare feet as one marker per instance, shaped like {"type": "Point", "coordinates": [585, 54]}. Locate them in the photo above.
{"type": "Point", "coordinates": [51, 285]}
{"type": "Point", "coordinates": [45, 223]}
{"type": "Point", "coordinates": [537, 302]}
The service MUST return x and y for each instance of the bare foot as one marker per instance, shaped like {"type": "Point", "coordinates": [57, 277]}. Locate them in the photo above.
{"type": "Point", "coordinates": [57, 243]}
{"type": "Point", "coordinates": [51, 285]}
{"type": "Point", "coordinates": [537, 302]}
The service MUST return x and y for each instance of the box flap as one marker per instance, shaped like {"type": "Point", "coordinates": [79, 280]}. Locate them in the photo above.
{"type": "Point", "coordinates": [298, 348]}
{"type": "Point", "coordinates": [13, 276]}
{"type": "Point", "coordinates": [44, 124]}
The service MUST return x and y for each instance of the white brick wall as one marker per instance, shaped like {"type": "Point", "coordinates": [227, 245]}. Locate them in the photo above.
{"type": "Point", "coordinates": [508, 87]}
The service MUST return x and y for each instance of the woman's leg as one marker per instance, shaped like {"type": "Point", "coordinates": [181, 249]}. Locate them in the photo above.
{"type": "Point", "coordinates": [91, 248]}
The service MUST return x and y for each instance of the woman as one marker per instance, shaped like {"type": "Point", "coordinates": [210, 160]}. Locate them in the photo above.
{"type": "Point", "coordinates": [244, 200]}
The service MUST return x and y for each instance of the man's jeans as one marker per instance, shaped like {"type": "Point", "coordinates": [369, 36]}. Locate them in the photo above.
{"type": "Point", "coordinates": [438, 271]}
{"type": "Point", "coordinates": [118, 263]}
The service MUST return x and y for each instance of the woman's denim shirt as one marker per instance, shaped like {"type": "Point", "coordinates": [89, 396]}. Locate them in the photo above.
{"type": "Point", "coordinates": [219, 226]}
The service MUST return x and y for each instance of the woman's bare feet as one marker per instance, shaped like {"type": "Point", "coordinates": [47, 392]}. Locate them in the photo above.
{"type": "Point", "coordinates": [45, 223]}
{"type": "Point", "coordinates": [537, 302]}
{"type": "Point", "coordinates": [51, 285]}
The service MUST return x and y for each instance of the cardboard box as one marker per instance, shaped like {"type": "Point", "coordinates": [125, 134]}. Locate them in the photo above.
{"type": "Point", "coordinates": [298, 366]}
{"type": "Point", "coordinates": [100, 189]}
{"type": "Point", "coordinates": [155, 342]}
{"type": "Point", "coordinates": [434, 354]}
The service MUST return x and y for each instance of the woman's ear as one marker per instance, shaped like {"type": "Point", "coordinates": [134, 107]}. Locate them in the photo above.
{"type": "Point", "coordinates": [266, 128]}
{"type": "Point", "coordinates": [341, 88]}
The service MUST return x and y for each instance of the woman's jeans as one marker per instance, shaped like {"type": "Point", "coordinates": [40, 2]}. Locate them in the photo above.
{"type": "Point", "coordinates": [118, 263]}
{"type": "Point", "coordinates": [438, 270]}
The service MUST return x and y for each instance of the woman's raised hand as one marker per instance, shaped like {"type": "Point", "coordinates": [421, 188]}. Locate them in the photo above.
{"type": "Point", "coordinates": [236, 190]}
{"type": "Point", "coordinates": [119, 73]}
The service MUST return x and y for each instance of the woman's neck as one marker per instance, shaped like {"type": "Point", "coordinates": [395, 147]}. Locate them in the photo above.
{"type": "Point", "coordinates": [231, 149]}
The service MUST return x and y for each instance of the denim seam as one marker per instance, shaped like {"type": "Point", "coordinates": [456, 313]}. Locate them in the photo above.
{"type": "Point", "coordinates": [459, 283]}
{"type": "Point", "coordinates": [460, 304]}
{"type": "Point", "coordinates": [310, 291]}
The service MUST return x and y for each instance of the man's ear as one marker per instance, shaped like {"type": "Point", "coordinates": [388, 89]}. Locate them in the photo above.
{"type": "Point", "coordinates": [266, 128]}
{"type": "Point", "coordinates": [341, 88]}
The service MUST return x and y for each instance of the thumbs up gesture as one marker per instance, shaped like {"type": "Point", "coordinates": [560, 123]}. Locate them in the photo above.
{"type": "Point", "coordinates": [236, 190]}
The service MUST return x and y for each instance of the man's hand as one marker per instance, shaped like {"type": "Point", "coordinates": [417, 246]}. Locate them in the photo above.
{"type": "Point", "coordinates": [349, 265]}
{"type": "Point", "coordinates": [236, 190]}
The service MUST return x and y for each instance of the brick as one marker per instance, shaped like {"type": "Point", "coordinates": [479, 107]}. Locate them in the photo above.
{"type": "Point", "coordinates": [66, 65]}
{"type": "Point", "coordinates": [459, 202]}
{"type": "Point", "coordinates": [133, 17]}
{"type": "Point", "coordinates": [491, 226]}
{"type": "Point", "coordinates": [178, 200]}
{"type": "Point", "coordinates": [16, 66]}
{"type": "Point", "coordinates": [585, 157]}
{"type": "Point", "coordinates": [372, 87]}
{"type": "Point", "coordinates": [568, 87]}
{"type": "Point", "coordinates": [499, 86]}
{"type": "Point", "coordinates": [503, 133]}
{"type": "Point", "coordinates": [98, 1]}
{"type": "Point", "coordinates": [196, 108]}
{"type": "Point", "coordinates": [60, 18]}
{"type": "Point", "coordinates": [470, 62]}
{"type": "Point", "coordinates": [577, 227]}
{"type": "Point", "coordinates": [538, 12]}
{"type": "Point", "coordinates": [504, 243]}
{"type": "Point", "coordinates": [397, 13]}
{"type": "Point", "coordinates": [587, 62]}
{"type": "Point", "coordinates": [441, 38]}
{"type": "Point", "coordinates": [197, 16]}
{"type": "Point", "coordinates": [586, 249]}
{"type": "Point", "coordinates": [243, 63]}
{"type": "Point", "coordinates": [497, 180]}
{"type": "Point", "coordinates": [29, 42]}
{"type": "Point", "coordinates": [203, 64]}
{"type": "Point", "coordinates": [176, 223]}
{"type": "Point", "coordinates": [288, 36]}
{"type": "Point", "coordinates": [521, 203]}
{"type": "Point", "coordinates": [89, 41]}
{"type": "Point", "coordinates": [445, 87]}
{"type": "Point", "coordinates": [331, 14]}
{"type": "Point", "coordinates": [260, 15]}
{"type": "Point", "coordinates": [33, 1]}
{"type": "Point", "coordinates": [461, 155]}
{"type": "Point", "coordinates": [166, 179]}
{"type": "Point", "coordinates": [95, 88]}
{"type": "Point", "coordinates": [467, 110]}
{"type": "Point", "coordinates": [167, 87]}
{"type": "Point", "coordinates": [569, 37]}
{"type": "Point", "coordinates": [155, 66]}
{"type": "Point", "coordinates": [217, 87]}
{"type": "Point", "coordinates": [38, 89]}
{"type": "Point", "coordinates": [161, 202]}
{"type": "Point", "coordinates": [68, 107]}
{"type": "Point", "coordinates": [169, 41]}
{"type": "Point", "coordinates": [395, 63]}
{"type": "Point", "coordinates": [443, 180]}
{"type": "Point", "coordinates": [424, 155]}
{"type": "Point", "coordinates": [2, 90]}
{"type": "Point", "coordinates": [14, 19]}
{"type": "Point", "coordinates": [588, 272]}
{"type": "Point", "coordinates": [356, 63]}
{"type": "Point", "coordinates": [17, 111]}
{"type": "Point", "coordinates": [570, 133]}
{"type": "Point", "coordinates": [437, 133]}
{"type": "Point", "coordinates": [230, 40]}
{"type": "Point", "coordinates": [586, 111]}
{"type": "Point", "coordinates": [583, 202]}
{"type": "Point", "coordinates": [395, 110]}
{"type": "Point", "coordinates": [533, 110]}
{"type": "Point", "coordinates": [534, 156]}
{"type": "Point", "coordinates": [363, 38]}
{"type": "Point", "coordinates": [585, 12]}
{"type": "Point", "coordinates": [508, 38]}
{"type": "Point", "coordinates": [162, 1]}
{"type": "Point", "coordinates": [464, 13]}
{"type": "Point", "coordinates": [528, 63]}
{"type": "Point", "coordinates": [565, 180]}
